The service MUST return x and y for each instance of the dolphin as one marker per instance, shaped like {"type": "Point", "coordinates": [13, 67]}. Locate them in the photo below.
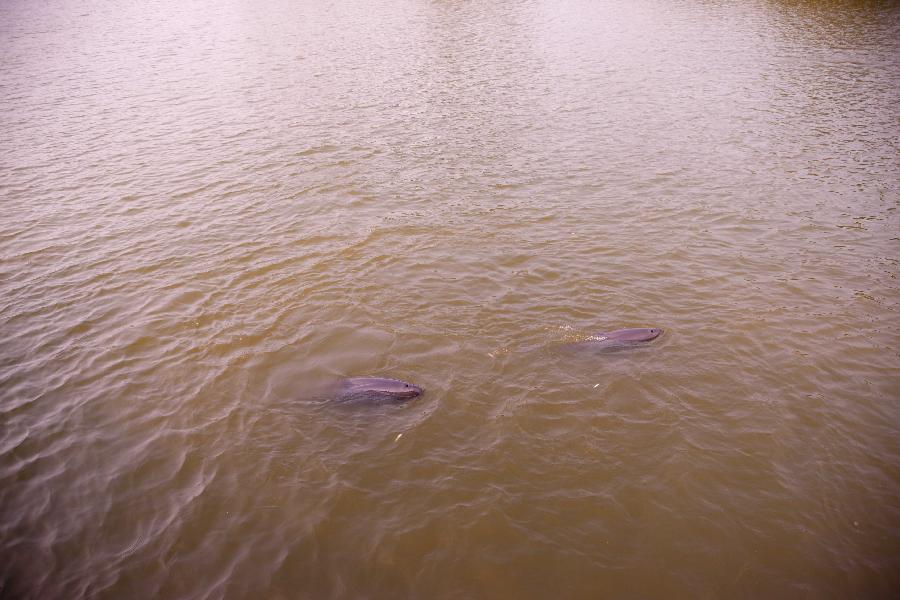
{"type": "Point", "coordinates": [375, 390]}
{"type": "Point", "coordinates": [619, 339]}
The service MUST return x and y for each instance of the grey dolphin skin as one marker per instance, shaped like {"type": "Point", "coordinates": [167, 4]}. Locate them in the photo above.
{"type": "Point", "coordinates": [375, 390]}
{"type": "Point", "coordinates": [620, 339]}
{"type": "Point", "coordinates": [639, 334]}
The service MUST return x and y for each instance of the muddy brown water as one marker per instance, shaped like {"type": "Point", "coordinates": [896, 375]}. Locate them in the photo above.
{"type": "Point", "coordinates": [211, 208]}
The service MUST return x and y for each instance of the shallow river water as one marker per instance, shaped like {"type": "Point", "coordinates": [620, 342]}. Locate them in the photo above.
{"type": "Point", "coordinates": [212, 207]}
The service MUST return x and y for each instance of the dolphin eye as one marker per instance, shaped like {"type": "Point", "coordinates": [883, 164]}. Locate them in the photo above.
{"type": "Point", "coordinates": [405, 385]}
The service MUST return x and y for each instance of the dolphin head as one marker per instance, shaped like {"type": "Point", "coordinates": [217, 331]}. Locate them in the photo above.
{"type": "Point", "coordinates": [380, 388]}
{"type": "Point", "coordinates": [640, 334]}
{"type": "Point", "coordinates": [398, 389]}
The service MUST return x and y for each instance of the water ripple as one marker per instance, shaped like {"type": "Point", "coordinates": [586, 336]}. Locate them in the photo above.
{"type": "Point", "coordinates": [212, 215]}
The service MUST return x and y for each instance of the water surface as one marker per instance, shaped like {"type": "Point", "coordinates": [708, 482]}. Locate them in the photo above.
{"type": "Point", "coordinates": [211, 208]}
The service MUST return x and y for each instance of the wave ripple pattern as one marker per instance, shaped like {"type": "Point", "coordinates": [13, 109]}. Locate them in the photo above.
{"type": "Point", "coordinates": [212, 209]}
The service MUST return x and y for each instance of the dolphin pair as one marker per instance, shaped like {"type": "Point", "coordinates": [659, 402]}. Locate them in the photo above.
{"type": "Point", "coordinates": [381, 390]}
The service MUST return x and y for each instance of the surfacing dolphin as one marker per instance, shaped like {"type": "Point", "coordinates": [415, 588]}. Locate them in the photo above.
{"type": "Point", "coordinates": [375, 390]}
{"type": "Point", "coordinates": [619, 339]}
